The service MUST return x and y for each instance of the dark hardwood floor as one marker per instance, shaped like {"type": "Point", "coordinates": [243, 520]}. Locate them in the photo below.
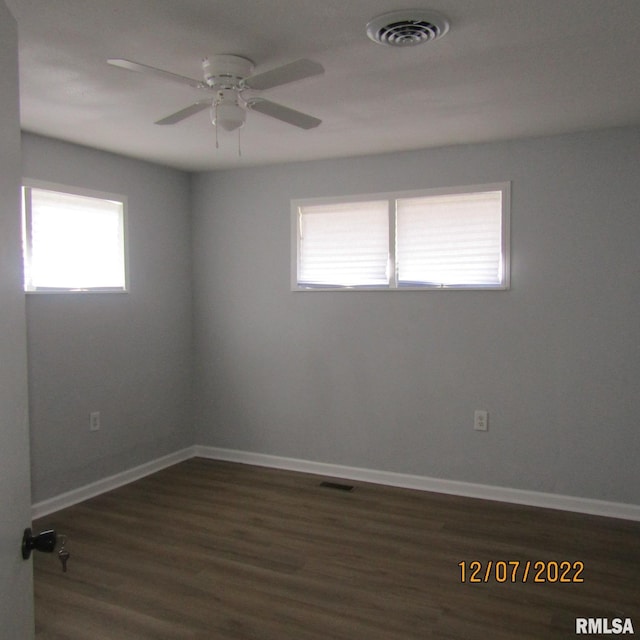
{"type": "Point", "coordinates": [216, 550]}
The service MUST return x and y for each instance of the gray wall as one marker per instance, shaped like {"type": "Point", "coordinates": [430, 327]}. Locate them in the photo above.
{"type": "Point", "coordinates": [381, 380]}
{"type": "Point", "coordinates": [390, 380]}
{"type": "Point", "coordinates": [125, 355]}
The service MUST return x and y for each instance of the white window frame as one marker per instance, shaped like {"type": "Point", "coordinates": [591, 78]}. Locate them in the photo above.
{"type": "Point", "coordinates": [27, 186]}
{"type": "Point", "coordinates": [391, 198]}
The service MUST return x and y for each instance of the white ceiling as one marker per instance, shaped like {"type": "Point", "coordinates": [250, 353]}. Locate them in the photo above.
{"type": "Point", "coordinates": [506, 69]}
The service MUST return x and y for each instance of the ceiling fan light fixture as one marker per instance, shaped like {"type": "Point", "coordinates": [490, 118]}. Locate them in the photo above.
{"type": "Point", "coordinates": [407, 28]}
{"type": "Point", "coordinates": [230, 116]}
{"type": "Point", "coordinates": [226, 112]}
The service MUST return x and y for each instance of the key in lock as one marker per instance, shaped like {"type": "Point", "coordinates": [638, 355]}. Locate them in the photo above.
{"type": "Point", "coordinates": [63, 553]}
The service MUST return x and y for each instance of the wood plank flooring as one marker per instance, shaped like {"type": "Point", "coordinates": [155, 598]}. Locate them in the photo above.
{"type": "Point", "coordinates": [209, 550]}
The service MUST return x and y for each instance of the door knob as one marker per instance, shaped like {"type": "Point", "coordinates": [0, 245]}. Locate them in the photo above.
{"type": "Point", "coordinates": [44, 541]}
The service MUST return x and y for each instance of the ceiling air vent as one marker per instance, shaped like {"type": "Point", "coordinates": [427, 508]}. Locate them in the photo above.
{"type": "Point", "coordinates": [407, 28]}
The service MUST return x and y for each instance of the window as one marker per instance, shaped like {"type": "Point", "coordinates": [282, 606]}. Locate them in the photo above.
{"type": "Point", "coordinates": [73, 241]}
{"type": "Point", "coordinates": [437, 239]}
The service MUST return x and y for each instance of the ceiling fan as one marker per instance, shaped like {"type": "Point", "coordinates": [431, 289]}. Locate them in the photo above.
{"type": "Point", "coordinates": [226, 79]}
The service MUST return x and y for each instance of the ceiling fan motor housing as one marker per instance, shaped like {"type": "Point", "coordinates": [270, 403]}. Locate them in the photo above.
{"type": "Point", "coordinates": [226, 71]}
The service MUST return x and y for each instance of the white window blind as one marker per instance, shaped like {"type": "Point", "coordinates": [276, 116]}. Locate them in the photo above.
{"type": "Point", "coordinates": [344, 244]}
{"type": "Point", "coordinates": [450, 240]}
{"type": "Point", "coordinates": [439, 238]}
{"type": "Point", "coordinates": [73, 242]}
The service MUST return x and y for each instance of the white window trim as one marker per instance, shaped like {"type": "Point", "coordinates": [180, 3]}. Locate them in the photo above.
{"type": "Point", "coordinates": [29, 183]}
{"type": "Point", "coordinates": [391, 197]}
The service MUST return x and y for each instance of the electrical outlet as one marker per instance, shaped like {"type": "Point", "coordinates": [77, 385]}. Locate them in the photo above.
{"type": "Point", "coordinates": [94, 421]}
{"type": "Point", "coordinates": [481, 420]}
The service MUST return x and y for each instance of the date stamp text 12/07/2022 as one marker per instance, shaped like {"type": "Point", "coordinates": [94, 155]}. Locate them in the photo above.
{"type": "Point", "coordinates": [538, 571]}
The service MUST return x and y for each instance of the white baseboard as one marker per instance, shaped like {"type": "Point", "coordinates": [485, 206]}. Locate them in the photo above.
{"type": "Point", "coordinates": [64, 500]}
{"type": "Point", "coordinates": [424, 483]}
{"type": "Point", "coordinates": [421, 483]}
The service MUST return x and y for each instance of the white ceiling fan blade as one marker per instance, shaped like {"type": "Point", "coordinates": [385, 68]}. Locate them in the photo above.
{"type": "Point", "coordinates": [282, 75]}
{"type": "Point", "coordinates": [280, 112]}
{"type": "Point", "coordinates": [145, 68]}
{"type": "Point", "coordinates": [185, 113]}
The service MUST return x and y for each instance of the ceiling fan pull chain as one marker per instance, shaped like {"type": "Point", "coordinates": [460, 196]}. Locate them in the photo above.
{"type": "Point", "coordinates": [215, 124]}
